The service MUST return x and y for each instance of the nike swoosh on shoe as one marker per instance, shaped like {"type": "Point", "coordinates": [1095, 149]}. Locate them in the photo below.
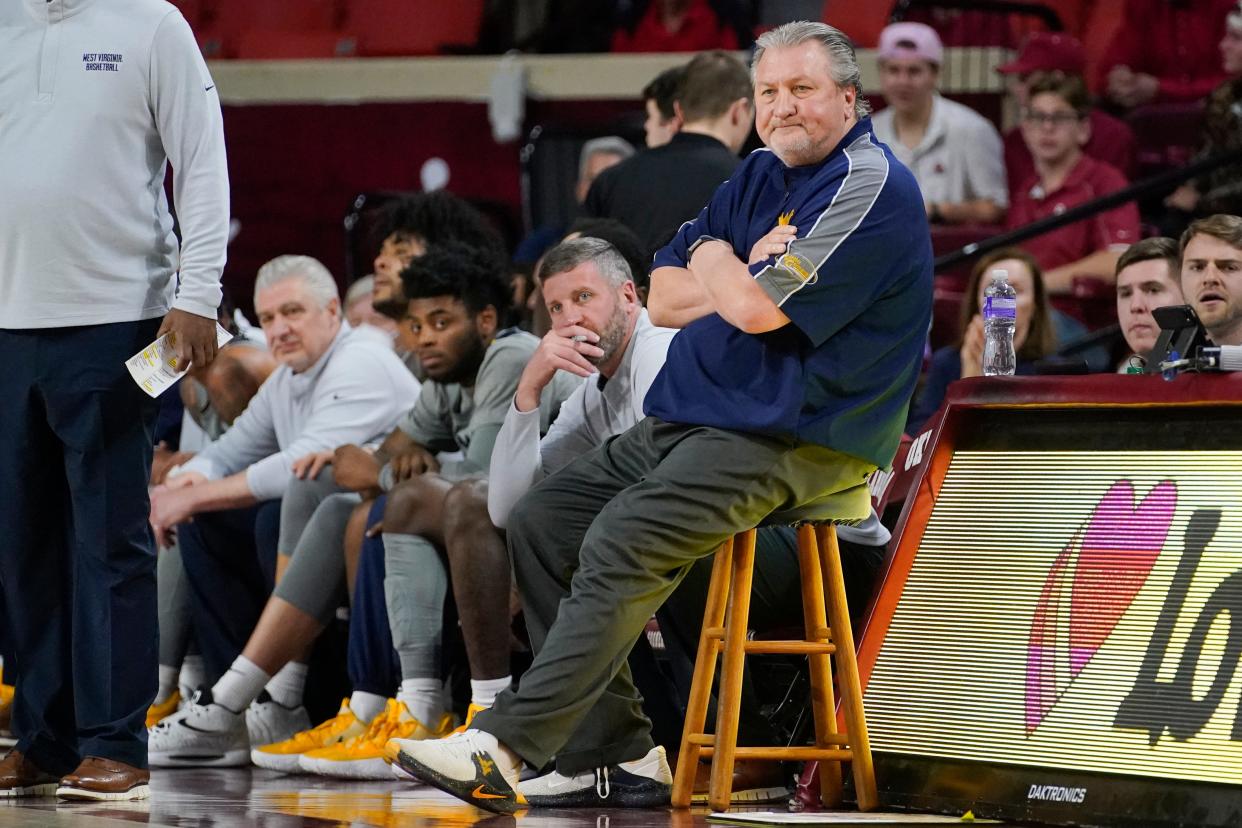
{"type": "Point", "coordinates": [488, 789]}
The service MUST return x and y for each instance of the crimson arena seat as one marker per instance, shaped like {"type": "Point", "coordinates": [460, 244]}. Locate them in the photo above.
{"type": "Point", "coordinates": [227, 23]}
{"type": "Point", "coordinates": [259, 44]}
{"type": "Point", "coordinates": [387, 28]}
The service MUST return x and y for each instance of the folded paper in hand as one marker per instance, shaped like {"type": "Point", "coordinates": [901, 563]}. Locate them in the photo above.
{"type": "Point", "coordinates": [155, 368]}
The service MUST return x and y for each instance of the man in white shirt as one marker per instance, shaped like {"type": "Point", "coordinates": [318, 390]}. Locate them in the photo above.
{"type": "Point", "coordinates": [335, 385]}
{"type": "Point", "coordinates": [96, 99]}
{"type": "Point", "coordinates": [954, 152]}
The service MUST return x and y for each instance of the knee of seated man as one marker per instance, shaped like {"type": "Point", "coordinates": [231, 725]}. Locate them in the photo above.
{"type": "Point", "coordinates": [410, 502]}
{"type": "Point", "coordinates": [465, 507]}
{"type": "Point", "coordinates": [300, 491]}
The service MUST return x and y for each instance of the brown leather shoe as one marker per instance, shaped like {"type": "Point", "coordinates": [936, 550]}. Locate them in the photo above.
{"type": "Point", "coordinates": [754, 782]}
{"type": "Point", "coordinates": [21, 777]}
{"type": "Point", "coordinates": [105, 779]}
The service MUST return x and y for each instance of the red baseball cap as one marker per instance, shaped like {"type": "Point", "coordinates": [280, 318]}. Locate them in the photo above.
{"type": "Point", "coordinates": [1047, 52]}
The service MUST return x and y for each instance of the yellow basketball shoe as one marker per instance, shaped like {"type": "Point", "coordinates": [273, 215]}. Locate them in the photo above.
{"type": "Point", "coordinates": [363, 756]}
{"type": "Point", "coordinates": [170, 705]}
{"type": "Point", "coordinates": [7, 692]}
{"type": "Point", "coordinates": [285, 756]}
{"type": "Point", "coordinates": [470, 711]}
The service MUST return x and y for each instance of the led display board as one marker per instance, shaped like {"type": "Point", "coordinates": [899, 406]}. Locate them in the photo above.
{"type": "Point", "coordinates": [1059, 633]}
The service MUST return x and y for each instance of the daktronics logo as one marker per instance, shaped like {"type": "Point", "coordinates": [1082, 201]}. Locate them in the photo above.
{"type": "Point", "coordinates": [1090, 587]}
{"type": "Point", "coordinates": [1057, 793]}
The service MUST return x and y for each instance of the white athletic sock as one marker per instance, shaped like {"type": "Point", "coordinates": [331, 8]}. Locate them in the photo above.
{"type": "Point", "coordinates": [286, 686]}
{"type": "Point", "coordinates": [193, 675]}
{"type": "Point", "coordinates": [423, 698]}
{"type": "Point", "coordinates": [366, 706]}
{"type": "Point", "coordinates": [483, 692]}
{"type": "Point", "coordinates": [241, 685]}
{"type": "Point", "coordinates": [168, 683]}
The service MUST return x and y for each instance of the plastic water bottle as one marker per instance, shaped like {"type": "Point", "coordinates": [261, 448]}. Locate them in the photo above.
{"type": "Point", "coordinates": [1000, 310]}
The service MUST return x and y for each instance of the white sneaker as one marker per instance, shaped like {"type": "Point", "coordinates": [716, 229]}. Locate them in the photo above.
{"type": "Point", "coordinates": [470, 765]}
{"type": "Point", "coordinates": [268, 721]}
{"type": "Point", "coordinates": [203, 734]}
{"type": "Point", "coordinates": [642, 783]}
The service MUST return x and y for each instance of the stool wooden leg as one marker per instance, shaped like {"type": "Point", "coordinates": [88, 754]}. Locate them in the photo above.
{"type": "Point", "coordinates": [823, 707]}
{"type": "Point", "coordinates": [729, 702]}
{"type": "Point", "coordinates": [704, 673]}
{"type": "Point", "coordinates": [847, 672]}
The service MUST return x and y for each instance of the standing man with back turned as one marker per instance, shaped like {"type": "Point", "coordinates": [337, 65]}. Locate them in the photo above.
{"type": "Point", "coordinates": [799, 347]}
{"type": "Point", "coordinates": [96, 100]}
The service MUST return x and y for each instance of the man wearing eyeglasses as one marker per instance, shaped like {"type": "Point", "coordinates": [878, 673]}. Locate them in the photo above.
{"type": "Point", "coordinates": [1056, 126]}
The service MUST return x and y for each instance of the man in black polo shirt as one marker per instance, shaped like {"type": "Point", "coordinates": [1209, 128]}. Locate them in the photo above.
{"type": "Point", "coordinates": [656, 191]}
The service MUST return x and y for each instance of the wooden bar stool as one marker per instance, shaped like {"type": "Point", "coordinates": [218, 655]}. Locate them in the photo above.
{"type": "Point", "coordinates": [827, 634]}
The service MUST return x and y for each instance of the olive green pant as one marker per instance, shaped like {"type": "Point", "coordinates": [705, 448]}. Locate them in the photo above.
{"type": "Point", "coordinates": [598, 546]}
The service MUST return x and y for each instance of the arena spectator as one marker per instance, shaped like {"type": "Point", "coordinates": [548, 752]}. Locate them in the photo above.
{"type": "Point", "coordinates": [1055, 127]}
{"type": "Point", "coordinates": [1110, 141]}
{"type": "Point", "coordinates": [1034, 335]}
{"type": "Point", "coordinates": [1219, 191]}
{"type": "Point", "coordinates": [332, 387]}
{"type": "Point", "coordinates": [682, 26]}
{"type": "Point", "coordinates": [598, 155]}
{"type": "Point", "coordinates": [953, 151]}
{"type": "Point", "coordinates": [659, 189]}
{"type": "Point", "coordinates": [659, 98]}
{"type": "Point", "coordinates": [1211, 251]}
{"type": "Point", "coordinates": [1159, 52]}
{"type": "Point", "coordinates": [1148, 276]}
{"type": "Point", "coordinates": [598, 546]}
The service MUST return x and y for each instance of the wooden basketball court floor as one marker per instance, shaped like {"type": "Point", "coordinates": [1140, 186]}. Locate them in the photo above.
{"type": "Point", "coordinates": [255, 798]}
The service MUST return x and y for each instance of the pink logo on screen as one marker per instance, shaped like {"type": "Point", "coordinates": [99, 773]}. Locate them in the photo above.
{"type": "Point", "coordinates": [1090, 587]}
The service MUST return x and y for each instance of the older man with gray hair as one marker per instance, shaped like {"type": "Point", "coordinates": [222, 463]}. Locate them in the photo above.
{"type": "Point", "coordinates": [597, 155]}
{"type": "Point", "coordinates": [333, 386]}
{"type": "Point", "coordinates": [803, 295]}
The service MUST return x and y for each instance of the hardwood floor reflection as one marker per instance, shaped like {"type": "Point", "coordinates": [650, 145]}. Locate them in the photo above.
{"type": "Point", "coordinates": [253, 798]}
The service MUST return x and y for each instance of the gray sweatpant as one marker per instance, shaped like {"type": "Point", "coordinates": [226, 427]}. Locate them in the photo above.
{"type": "Point", "coordinates": [598, 546]}
{"type": "Point", "coordinates": [173, 599]}
{"type": "Point", "coordinates": [313, 518]}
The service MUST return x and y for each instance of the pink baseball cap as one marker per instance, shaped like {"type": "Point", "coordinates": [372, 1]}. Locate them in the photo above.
{"type": "Point", "coordinates": [910, 40]}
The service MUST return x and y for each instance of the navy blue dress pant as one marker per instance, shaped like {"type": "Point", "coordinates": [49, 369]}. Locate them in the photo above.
{"type": "Point", "coordinates": [230, 564]}
{"type": "Point", "coordinates": [372, 661]}
{"type": "Point", "coordinates": [77, 561]}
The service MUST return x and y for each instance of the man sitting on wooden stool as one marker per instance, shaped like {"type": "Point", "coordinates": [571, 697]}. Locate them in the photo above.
{"type": "Point", "coordinates": [800, 345]}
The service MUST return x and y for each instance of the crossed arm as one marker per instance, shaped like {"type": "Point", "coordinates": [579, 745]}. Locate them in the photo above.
{"type": "Point", "coordinates": [716, 281]}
